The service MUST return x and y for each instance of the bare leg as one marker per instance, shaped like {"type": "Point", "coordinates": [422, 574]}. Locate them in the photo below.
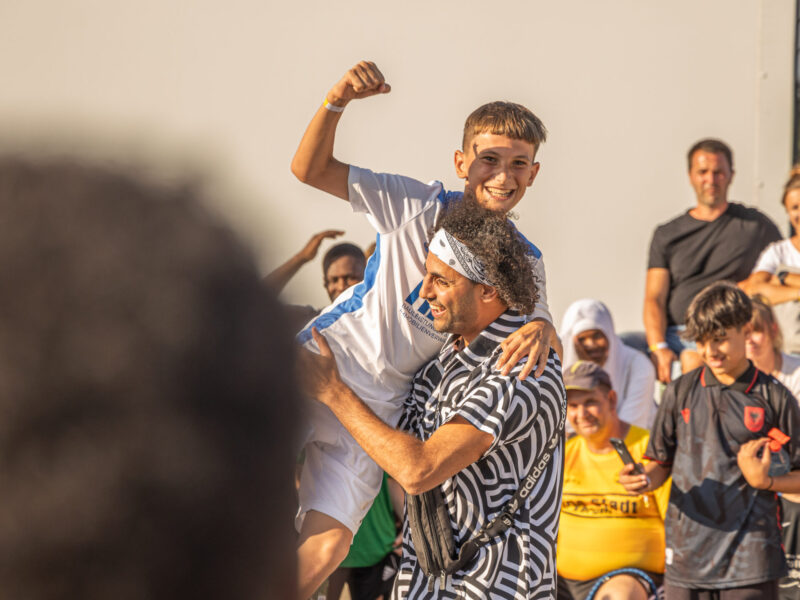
{"type": "Point", "coordinates": [324, 543]}
{"type": "Point", "coordinates": [621, 587]}
{"type": "Point", "coordinates": [690, 360]}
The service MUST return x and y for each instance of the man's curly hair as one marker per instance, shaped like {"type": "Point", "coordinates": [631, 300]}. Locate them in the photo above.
{"type": "Point", "coordinates": [492, 238]}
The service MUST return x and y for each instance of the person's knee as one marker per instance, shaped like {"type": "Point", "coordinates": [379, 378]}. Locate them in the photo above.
{"type": "Point", "coordinates": [621, 587]}
{"type": "Point", "coordinates": [334, 546]}
{"type": "Point", "coordinates": [329, 538]}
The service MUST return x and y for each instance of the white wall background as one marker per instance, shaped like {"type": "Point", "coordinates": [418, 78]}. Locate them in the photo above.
{"type": "Point", "coordinates": [624, 86]}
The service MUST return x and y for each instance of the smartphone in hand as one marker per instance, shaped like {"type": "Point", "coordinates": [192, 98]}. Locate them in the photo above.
{"type": "Point", "coordinates": [625, 455]}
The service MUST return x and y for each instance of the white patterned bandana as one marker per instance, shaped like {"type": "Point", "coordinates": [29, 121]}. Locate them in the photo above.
{"type": "Point", "coordinates": [457, 256]}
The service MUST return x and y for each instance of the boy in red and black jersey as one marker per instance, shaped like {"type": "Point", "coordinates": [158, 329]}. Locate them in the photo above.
{"type": "Point", "coordinates": [722, 534]}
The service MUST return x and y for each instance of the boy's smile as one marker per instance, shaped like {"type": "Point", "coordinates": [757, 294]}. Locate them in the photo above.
{"type": "Point", "coordinates": [498, 169]}
{"type": "Point", "coordinates": [725, 353]}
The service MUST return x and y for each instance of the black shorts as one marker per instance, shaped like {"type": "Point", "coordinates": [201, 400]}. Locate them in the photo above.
{"type": "Point", "coordinates": [767, 590]}
{"type": "Point", "coordinates": [368, 583]}
{"type": "Point", "coordinates": [574, 589]}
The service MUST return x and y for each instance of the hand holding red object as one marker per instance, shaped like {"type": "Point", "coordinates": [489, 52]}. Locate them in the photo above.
{"type": "Point", "coordinates": [776, 439]}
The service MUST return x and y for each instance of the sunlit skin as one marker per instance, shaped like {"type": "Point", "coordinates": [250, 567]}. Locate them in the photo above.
{"type": "Point", "coordinates": [725, 354]}
{"type": "Point", "coordinates": [592, 345]}
{"type": "Point", "coordinates": [498, 169]}
{"type": "Point", "coordinates": [710, 176]}
{"type": "Point", "coordinates": [453, 299]}
{"type": "Point", "coordinates": [792, 205]}
{"type": "Point", "coordinates": [760, 348]}
{"type": "Point", "coordinates": [342, 273]}
{"type": "Point", "coordinates": [591, 414]}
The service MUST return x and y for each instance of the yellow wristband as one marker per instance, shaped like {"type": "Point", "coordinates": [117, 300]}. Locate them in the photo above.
{"type": "Point", "coordinates": [332, 107]}
{"type": "Point", "coordinates": [658, 346]}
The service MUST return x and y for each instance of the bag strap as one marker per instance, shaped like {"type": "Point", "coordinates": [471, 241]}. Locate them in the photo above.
{"type": "Point", "coordinates": [505, 518]}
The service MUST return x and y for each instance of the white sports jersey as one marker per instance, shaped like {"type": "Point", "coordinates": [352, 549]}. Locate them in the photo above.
{"type": "Point", "coordinates": [380, 330]}
{"type": "Point", "coordinates": [381, 333]}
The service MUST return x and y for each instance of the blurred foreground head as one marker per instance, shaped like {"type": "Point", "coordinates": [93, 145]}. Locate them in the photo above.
{"type": "Point", "coordinates": [146, 406]}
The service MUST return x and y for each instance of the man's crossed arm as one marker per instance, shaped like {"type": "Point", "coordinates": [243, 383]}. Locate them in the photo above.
{"type": "Point", "coordinates": [416, 465]}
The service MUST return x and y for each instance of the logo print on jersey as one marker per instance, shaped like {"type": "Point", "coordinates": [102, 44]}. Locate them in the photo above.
{"type": "Point", "coordinates": [420, 304]}
{"type": "Point", "coordinates": [753, 418]}
{"type": "Point", "coordinates": [685, 414]}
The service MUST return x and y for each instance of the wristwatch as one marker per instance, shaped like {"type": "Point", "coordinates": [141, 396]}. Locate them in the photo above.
{"type": "Point", "coordinates": [782, 275]}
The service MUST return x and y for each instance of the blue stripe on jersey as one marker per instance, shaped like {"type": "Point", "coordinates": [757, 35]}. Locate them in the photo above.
{"type": "Point", "coordinates": [445, 197]}
{"type": "Point", "coordinates": [353, 303]}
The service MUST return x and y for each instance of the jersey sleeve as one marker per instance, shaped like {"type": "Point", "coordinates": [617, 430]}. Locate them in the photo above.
{"type": "Point", "coordinates": [657, 258]}
{"type": "Point", "coordinates": [541, 309]}
{"type": "Point", "coordinates": [663, 440]}
{"type": "Point", "coordinates": [509, 409]}
{"type": "Point", "coordinates": [389, 200]}
{"type": "Point", "coordinates": [768, 261]}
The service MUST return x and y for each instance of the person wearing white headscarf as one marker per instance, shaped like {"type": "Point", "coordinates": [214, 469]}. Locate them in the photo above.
{"type": "Point", "coordinates": [587, 331]}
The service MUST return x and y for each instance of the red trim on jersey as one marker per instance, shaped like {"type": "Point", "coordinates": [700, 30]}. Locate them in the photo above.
{"type": "Point", "coordinates": [752, 383]}
{"type": "Point", "coordinates": [703, 376]}
{"type": "Point", "coordinates": [655, 460]}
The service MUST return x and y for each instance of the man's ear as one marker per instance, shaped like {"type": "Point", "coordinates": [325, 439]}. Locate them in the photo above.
{"type": "Point", "coordinates": [488, 293]}
{"type": "Point", "coordinates": [612, 399]}
{"type": "Point", "coordinates": [460, 162]}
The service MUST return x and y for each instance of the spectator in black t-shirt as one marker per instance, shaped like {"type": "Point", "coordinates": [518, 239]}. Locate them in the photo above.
{"type": "Point", "coordinates": [713, 241]}
{"type": "Point", "coordinates": [722, 536]}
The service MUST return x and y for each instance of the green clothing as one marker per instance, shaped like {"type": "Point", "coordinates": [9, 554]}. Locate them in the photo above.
{"type": "Point", "coordinates": [375, 538]}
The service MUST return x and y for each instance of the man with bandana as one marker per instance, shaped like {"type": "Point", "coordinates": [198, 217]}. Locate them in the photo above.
{"type": "Point", "coordinates": [466, 427]}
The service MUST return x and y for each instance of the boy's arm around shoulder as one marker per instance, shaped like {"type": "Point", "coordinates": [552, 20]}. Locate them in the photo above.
{"type": "Point", "coordinates": [536, 337]}
{"type": "Point", "coordinates": [314, 163]}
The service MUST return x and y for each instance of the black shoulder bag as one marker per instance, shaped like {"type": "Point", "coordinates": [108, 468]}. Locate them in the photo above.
{"type": "Point", "coordinates": [433, 537]}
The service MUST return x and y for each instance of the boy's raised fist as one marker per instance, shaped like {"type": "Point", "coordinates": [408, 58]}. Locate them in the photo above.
{"type": "Point", "coordinates": [362, 81]}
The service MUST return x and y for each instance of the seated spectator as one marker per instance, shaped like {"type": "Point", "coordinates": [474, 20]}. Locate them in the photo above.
{"type": "Point", "coordinates": [765, 344]}
{"type": "Point", "coordinates": [715, 240]}
{"type": "Point", "coordinates": [587, 332]}
{"type": "Point", "coordinates": [776, 275]}
{"type": "Point", "coordinates": [764, 349]}
{"type": "Point", "coordinates": [148, 407]}
{"type": "Point", "coordinates": [595, 508]}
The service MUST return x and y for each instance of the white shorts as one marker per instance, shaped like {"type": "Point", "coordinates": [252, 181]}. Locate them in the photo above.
{"type": "Point", "coordinates": [338, 478]}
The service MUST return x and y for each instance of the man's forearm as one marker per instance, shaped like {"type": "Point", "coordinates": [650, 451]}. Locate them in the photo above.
{"type": "Point", "coordinates": [655, 321]}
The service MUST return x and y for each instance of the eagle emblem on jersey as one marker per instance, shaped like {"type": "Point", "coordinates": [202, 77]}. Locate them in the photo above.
{"type": "Point", "coordinates": [685, 412]}
{"type": "Point", "coordinates": [754, 418]}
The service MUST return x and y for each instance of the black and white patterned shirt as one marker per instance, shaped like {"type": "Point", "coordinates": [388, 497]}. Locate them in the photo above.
{"type": "Point", "coordinates": [521, 416]}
